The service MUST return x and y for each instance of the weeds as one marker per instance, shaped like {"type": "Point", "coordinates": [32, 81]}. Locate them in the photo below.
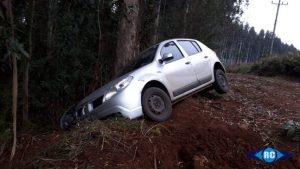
{"type": "Point", "coordinates": [286, 66]}
{"type": "Point", "coordinates": [292, 130]}
{"type": "Point", "coordinates": [5, 136]}
{"type": "Point", "coordinates": [114, 134]}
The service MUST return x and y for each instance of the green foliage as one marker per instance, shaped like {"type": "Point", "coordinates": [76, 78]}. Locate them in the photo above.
{"type": "Point", "coordinates": [16, 48]}
{"type": "Point", "coordinates": [285, 66]}
{"type": "Point", "coordinates": [5, 135]}
{"type": "Point", "coordinates": [64, 72]}
{"type": "Point", "coordinates": [292, 130]}
{"type": "Point", "coordinates": [278, 66]}
{"type": "Point", "coordinates": [157, 131]}
{"type": "Point", "coordinates": [242, 44]}
{"type": "Point", "coordinates": [5, 112]}
{"type": "Point", "coordinates": [5, 109]}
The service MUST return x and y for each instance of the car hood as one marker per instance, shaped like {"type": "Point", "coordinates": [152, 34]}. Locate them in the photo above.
{"type": "Point", "coordinates": [101, 91]}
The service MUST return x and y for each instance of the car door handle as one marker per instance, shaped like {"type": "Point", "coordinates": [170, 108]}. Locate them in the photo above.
{"type": "Point", "coordinates": [187, 63]}
{"type": "Point", "coordinates": [205, 56]}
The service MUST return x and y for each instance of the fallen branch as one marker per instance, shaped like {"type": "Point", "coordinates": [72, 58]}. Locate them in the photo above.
{"type": "Point", "coordinates": [102, 145]}
{"type": "Point", "coordinates": [119, 142]}
{"type": "Point", "coordinates": [134, 154]}
{"type": "Point", "coordinates": [50, 159]}
{"type": "Point", "coordinates": [217, 107]}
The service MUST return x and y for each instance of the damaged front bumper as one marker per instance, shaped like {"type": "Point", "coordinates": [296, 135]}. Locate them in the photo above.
{"type": "Point", "coordinates": [126, 102]}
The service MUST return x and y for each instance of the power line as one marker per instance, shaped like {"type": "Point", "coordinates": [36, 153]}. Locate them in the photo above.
{"type": "Point", "coordinates": [275, 23]}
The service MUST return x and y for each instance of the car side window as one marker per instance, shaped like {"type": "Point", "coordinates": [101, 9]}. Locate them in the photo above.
{"type": "Point", "coordinates": [189, 47]}
{"type": "Point", "coordinates": [197, 46]}
{"type": "Point", "coordinates": [171, 47]}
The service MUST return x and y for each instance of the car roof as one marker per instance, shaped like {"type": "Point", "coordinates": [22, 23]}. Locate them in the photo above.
{"type": "Point", "coordinates": [176, 39]}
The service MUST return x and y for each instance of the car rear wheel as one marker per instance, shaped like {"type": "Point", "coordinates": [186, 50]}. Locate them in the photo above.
{"type": "Point", "coordinates": [156, 104]}
{"type": "Point", "coordinates": [221, 83]}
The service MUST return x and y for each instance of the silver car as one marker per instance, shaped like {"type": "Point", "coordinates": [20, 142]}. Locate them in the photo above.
{"type": "Point", "coordinates": [160, 76]}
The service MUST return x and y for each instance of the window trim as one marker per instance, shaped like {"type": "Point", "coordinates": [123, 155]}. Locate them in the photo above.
{"type": "Point", "coordinates": [191, 42]}
{"type": "Point", "coordinates": [197, 46]}
{"type": "Point", "coordinates": [161, 55]}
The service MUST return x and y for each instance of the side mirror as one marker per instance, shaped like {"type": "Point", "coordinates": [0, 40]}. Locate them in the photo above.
{"type": "Point", "coordinates": [166, 57]}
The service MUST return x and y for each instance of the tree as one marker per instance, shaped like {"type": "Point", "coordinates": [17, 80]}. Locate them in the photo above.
{"type": "Point", "coordinates": [13, 56]}
{"type": "Point", "coordinates": [156, 23]}
{"type": "Point", "coordinates": [185, 16]}
{"type": "Point", "coordinates": [127, 45]}
{"type": "Point", "coordinates": [26, 67]}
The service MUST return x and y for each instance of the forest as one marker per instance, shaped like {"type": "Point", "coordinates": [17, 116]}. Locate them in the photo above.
{"type": "Point", "coordinates": [55, 52]}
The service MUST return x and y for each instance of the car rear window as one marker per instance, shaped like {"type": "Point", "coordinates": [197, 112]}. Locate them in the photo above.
{"type": "Point", "coordinates": [190, 47]}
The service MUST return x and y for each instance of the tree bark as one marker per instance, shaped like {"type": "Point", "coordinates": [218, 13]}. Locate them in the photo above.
{"type": "Point", "coordinates": [156, 23]}
{"type": "Point", "coordinates": [186, 12]}
{"type": "Point", "coordinates": [14, 81]}
{"type": "Point", "coordinates": [50, 25]}
{"type": "Point", "coordinates": [127, 43]}
{"type": "Point", "coordinates": [25, 90]}
{"type": "Point", "coordinates": [26, 68]}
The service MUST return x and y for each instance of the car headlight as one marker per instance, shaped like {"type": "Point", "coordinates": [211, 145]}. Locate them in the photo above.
{"type": "Point", "coordinates": [87, 109]}
{"type": "Point", "coordinates": [117, 87]}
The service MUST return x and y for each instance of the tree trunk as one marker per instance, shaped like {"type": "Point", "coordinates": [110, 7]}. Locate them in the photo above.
{"type": "Point", "coordinates": [26, 69]}
{"type": "Point", "coordinates": [239, 52]}
{"type": "Point", "coordinates": [156, 23]}
{"type": "Point", "coordinates": [127, 44]}
{"type": "Point", "coordinates": [186, 12]}
{"type": "Point", "coordinates": [15, 102]}
{"type": "Point", "coordinates": [98, 67]}
{"type": "Point", "coordinates": [25, 90]}
{"type": "Point", "coordinates": [14, 81]}
{"type": "Point", "coordinates": [51, 10]}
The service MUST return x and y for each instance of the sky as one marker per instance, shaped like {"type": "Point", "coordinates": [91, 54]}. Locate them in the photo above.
{"type": "Point", "coordinates": [261, 15]}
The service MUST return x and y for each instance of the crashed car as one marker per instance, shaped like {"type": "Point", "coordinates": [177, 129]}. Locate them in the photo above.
{"type": "Point", "coordinates": [160, 76]}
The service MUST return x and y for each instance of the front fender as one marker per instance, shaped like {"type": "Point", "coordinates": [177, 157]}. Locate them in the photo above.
{"type": "Point", "coordinates": [151, 77]}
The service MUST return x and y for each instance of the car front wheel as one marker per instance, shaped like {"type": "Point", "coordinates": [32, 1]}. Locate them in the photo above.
{"type": "Point", "coordinates": [156, 104]}
{"type": "Point", "coordinates": [221, 83]}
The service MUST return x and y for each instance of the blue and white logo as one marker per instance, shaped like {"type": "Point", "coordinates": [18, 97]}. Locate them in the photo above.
{"type": "Point", "coordinates": [269, 155]}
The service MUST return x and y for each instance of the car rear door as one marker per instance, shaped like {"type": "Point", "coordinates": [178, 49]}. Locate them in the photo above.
{"type": "Point", "coordinates": [199, 60]}
{"type": "Point", "coordinates": [178, 71]}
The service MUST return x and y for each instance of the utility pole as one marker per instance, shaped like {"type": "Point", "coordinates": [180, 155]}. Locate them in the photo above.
{"type": "Point", "coordinates": [275, 23]}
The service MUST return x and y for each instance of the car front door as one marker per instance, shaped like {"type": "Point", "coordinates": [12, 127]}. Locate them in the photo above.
{"type": "Point", "coordinates": [199, 60]}
{"type": "Point", "coordinates": [178, 71]}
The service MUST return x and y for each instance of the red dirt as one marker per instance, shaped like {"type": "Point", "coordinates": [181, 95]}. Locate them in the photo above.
{"type": "Point", "coordinates": [205, 131]}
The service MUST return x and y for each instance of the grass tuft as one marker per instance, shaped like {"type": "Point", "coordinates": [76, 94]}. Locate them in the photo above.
{"type": "Point", "coordinates": [292, 130]}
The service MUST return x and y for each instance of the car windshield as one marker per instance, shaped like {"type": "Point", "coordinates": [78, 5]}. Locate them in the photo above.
{"type": "Point", "coordinates": [146, 57]}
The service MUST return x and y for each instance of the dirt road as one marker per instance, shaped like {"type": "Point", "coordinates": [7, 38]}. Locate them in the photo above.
{"type": "Point", "coordinates": [205, 131]}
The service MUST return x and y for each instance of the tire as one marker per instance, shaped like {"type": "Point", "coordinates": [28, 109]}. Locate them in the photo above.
{"type": "Point", "coordinates": [221, 83]}
{"type": "Point", "coordinates": [156, 104]}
